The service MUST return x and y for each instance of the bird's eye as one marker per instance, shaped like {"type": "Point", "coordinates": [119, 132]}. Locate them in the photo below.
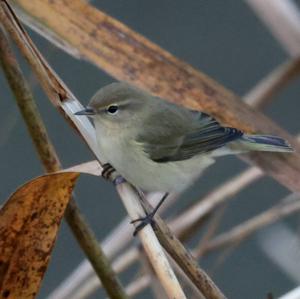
{"type": "Point", "coordinates": [112, 109]}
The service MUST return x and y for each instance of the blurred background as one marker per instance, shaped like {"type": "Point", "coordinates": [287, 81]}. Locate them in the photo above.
{"type": "Point", "coordinates": [228, 42]}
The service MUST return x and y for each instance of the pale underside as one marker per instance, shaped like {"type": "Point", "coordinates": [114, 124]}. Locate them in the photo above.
{"type": "Point", "coordinates": [130, 160]}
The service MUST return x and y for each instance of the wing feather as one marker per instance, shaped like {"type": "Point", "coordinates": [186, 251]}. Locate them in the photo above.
{"type": "Point", "coordinates": [184, 136]}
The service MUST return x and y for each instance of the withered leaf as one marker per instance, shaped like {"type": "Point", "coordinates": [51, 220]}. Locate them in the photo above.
{"type": "Point", "coordinates": [29, 222]}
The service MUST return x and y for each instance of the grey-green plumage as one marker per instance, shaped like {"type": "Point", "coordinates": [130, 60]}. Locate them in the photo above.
{"type": "Point", "coordinates": [160, 146]}
{"type": "Point", "coordinates": [201, 134]}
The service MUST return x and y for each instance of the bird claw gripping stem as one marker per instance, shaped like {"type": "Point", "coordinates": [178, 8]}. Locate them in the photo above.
{"type": "Point", "coordinates": [148, 219]}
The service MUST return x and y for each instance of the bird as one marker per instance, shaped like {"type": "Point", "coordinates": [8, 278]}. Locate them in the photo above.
{"type": "Point", "coordinates": [157, 145]}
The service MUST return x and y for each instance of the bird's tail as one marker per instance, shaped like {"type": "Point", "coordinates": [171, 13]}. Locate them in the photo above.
{"type": "Point", "coordinates": [267, 143]}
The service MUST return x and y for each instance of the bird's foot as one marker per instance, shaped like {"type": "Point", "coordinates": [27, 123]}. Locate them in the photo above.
{"type": "Point", "coordinates": [148, 219]}
{"type": "Point", "coordinates": [119, 180]}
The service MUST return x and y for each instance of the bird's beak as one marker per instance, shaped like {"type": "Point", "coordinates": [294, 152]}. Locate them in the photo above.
{"type": "Point", "coordinates": [88, 111]}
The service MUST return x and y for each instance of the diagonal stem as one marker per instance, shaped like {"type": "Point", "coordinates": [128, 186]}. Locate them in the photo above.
{"type": "Point", "coordinates": [184, 259]}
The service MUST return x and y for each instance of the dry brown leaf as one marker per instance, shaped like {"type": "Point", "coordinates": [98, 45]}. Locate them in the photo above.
{"type": "Point", "coordinates": [29, 222]}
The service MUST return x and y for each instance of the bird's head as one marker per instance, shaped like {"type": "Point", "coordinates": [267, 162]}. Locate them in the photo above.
{"type": "Point", "coordinates": [117, 105]}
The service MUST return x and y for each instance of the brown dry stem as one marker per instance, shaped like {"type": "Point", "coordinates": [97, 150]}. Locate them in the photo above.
{"type": "Point", "coordinates": [260, 96]}
{"type": "Point", "coordinates": [283, 20]}
{"type": "Point", "coordinates": [243, 230]}
{"type": "Point", "coordinates": [184, 259]}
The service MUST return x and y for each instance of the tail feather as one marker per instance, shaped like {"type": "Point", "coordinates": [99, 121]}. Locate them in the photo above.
{"type": "Point", "coordinates": [266, 143]}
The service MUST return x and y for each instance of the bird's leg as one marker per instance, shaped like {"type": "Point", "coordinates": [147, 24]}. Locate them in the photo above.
{"type": "Point", "coordinates": [148, 219]}
{"type": "Point", "coordinates": [107, 171]}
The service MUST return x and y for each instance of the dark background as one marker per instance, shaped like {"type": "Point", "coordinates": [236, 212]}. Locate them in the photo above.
{"type": "Point", "coordinates": [223, 39]}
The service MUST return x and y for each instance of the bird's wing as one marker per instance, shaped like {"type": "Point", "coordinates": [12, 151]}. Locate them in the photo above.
{"type": "Point", "coordinates": [178, 141]}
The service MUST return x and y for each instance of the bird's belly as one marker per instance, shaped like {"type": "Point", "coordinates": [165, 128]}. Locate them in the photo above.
{"type": "Point", "coordinates": [133, 164]}
{"type": "Point", "coordinates": [167, 177]}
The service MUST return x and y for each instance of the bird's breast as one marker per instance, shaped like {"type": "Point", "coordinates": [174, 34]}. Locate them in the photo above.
{"type": "Point", "coordinates": [130, 161]}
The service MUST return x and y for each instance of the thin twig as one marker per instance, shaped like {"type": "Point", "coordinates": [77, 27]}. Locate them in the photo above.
{"type": "Point", "coordinates": [184, 259]}
{"type": "Point", "coordinates": [212, 227]}
{"type": "Point", "coordinates": [112, 245]}
{"type": "Point", "coordinates": [280, 243]}
{"type": "Point", "coordinates": [94, 252]}
{"type": "Point", "coordinates": [286, 207]}
{"type": "Point", "coordinates": [121, 263]}
{"type": "Point", "coordinates": [155, 286]}
{"type": "Point", "coordinates": [27, 106]}
{"type": "Point", "coordinates": [262, 94]}
{"type": "Point", "coordinates": [142, 282]}
{"type": "Point", "coordinates": [283, 20]}
{"type": "Point", "coordinates": [226, 191]}
{"type": "Point", "coordinates": [138, 285]}
{"type": "Point", "coordinates": [293, 294]}
{"type": "Point", "coordinates": [51, 163]}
